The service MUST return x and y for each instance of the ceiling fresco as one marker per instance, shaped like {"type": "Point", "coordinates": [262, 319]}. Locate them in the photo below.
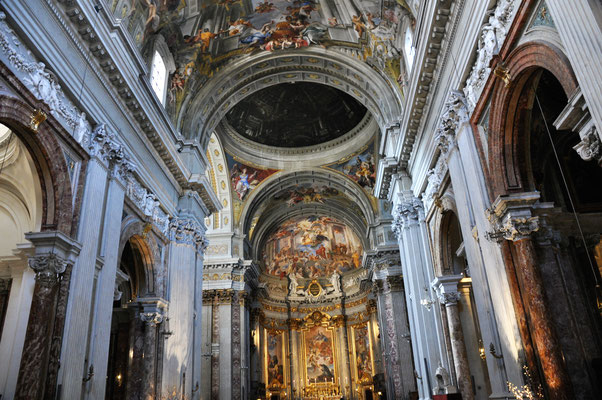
{"type": "Point", "coordinates": [203, 35]}
{"type": "Point", "coordinates": [360, 167]}
{"type": "Point", "coordinates": [296, 115]}
{"type": "Point", "coordinates": [312, 247]}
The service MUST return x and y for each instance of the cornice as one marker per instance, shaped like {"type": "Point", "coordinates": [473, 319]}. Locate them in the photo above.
{"type": "Point", "coordinates": [424, 81]}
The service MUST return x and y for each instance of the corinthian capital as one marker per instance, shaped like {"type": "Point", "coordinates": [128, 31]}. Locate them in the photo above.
{"type": "Point", "coordinates": [448, 299]}
{"type": "Point", "coordinates": [188, 231]}
{"type": "Point", "coordinates": [590, 146]}
{"type": "Point", "coordinates": [407, 213]}
{"type": "Point", "coordinates": [104, 145]}
{"type": "Point", "coordinates": [152, 318]}
{"type": "Point", "coordinates": [48, 268]}
{"type": "Point", "coordinates": [511, 217]}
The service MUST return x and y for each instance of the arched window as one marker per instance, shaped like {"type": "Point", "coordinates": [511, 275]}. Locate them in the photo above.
{"type": "Point", "coordinates": [158, 76]}
{"type": "Point", "coordinates": [410, 51]}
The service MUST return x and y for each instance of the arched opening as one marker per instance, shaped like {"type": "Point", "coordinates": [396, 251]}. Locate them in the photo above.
{"type": "Point", "coordinates": [20, 212]}
{"type": "Point", "coordinates": [546, 100]}
{"type": "Point", "coordinates": [455, 264]}
{"type": "Point", "coordinates": [534, 156]}
{"type": "Point", "coordinates": [125, 351]}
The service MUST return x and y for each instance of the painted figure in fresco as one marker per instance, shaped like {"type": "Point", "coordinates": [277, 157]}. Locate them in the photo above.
{"type": "Point", "coordinates": [311, 247]}
{"type": "Point", "coordinates": [358, 25]}
{"type": "Point", "coordinates": [257, 37]}
{"type": "Point", "coordinates": [265, 7]}
{"type": "Point", "coordinates": [203, 36]}
{"type": "Point", "coordinates": [243, 182]}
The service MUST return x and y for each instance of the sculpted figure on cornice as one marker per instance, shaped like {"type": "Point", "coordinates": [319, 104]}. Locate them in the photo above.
{"type": "Point", "coordinates": [41, 82]}
{"type": "Point", "coordinates": [104, 145]}
{"type": "Point", "coordinates": [491, 38]}
{"type": "Point", "coordinates": [454, 114]}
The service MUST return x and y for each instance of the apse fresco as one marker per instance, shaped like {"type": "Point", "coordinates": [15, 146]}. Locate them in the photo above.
{"type": "Point", "coordinates": [275, 358]}
{"type": "Point", "coordinates": [361, 168]}
{"type": "Point", "coordinates": [363, 361]}
{"type": "Point", "coordinates": [319, 357]}
{"type": "Point", "coordinates": [202, 35]}
{"type": "Point", "coordinates": [244, 178]}
{"type": "Point", "coordinates": [312, 247]}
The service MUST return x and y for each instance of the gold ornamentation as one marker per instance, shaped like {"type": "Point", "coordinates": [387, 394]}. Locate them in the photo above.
{"type": "Point", "coordinates": [37, 117]}
{"type": "Point", "coordinates": [501, 71]}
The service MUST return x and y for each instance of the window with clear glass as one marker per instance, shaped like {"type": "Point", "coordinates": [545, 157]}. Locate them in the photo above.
{"type": "Point", "coordinates": [409, 48]}
{"type": "Point", "coordinates": [158, 76]}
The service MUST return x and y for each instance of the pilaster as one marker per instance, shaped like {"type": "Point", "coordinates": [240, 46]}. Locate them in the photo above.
{"type": "Point", "coordinates": [416, 260]}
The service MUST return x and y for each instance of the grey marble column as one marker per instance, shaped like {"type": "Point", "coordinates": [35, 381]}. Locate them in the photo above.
{"type": "Point", "coordinates": [152, 316]}
{"type": "Point", "coordinates": [447, 292]}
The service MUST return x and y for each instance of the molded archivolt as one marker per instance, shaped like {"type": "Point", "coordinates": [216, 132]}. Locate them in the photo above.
{"type": "Point", "coordinates": [219, 177]}
{"type": "Point", "coordinates": [266, 209]}
{"type": "Point", "coordinates": [201, 114]}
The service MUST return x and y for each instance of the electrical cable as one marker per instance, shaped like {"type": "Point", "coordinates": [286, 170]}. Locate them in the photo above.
{"type": "Point", "coordinates": [568, 191]}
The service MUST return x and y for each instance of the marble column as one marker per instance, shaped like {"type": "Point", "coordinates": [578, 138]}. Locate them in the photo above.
{"type": "Point", "coordinates": [447, 292]}
{"type": "Point", "coordinates": [152, 316]}
{"type": "Point", "coordinates": [101, 334]}
{"type": "Point", "coordinates": [416, 261]}
{"type": "Point", "coordinates": [583, 45]}
{"type": "Point", "coordinates": [513, 220]}
{"type": "Point", "coordinates": [55, 254]}
{"type": "Point", "coordinates": [215, 349]}
{"type": "Point", "coordinates": [395, 334]}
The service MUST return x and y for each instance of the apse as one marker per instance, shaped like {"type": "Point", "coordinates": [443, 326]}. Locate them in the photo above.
{"type": "Point", "coordinates": [312, 247]}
